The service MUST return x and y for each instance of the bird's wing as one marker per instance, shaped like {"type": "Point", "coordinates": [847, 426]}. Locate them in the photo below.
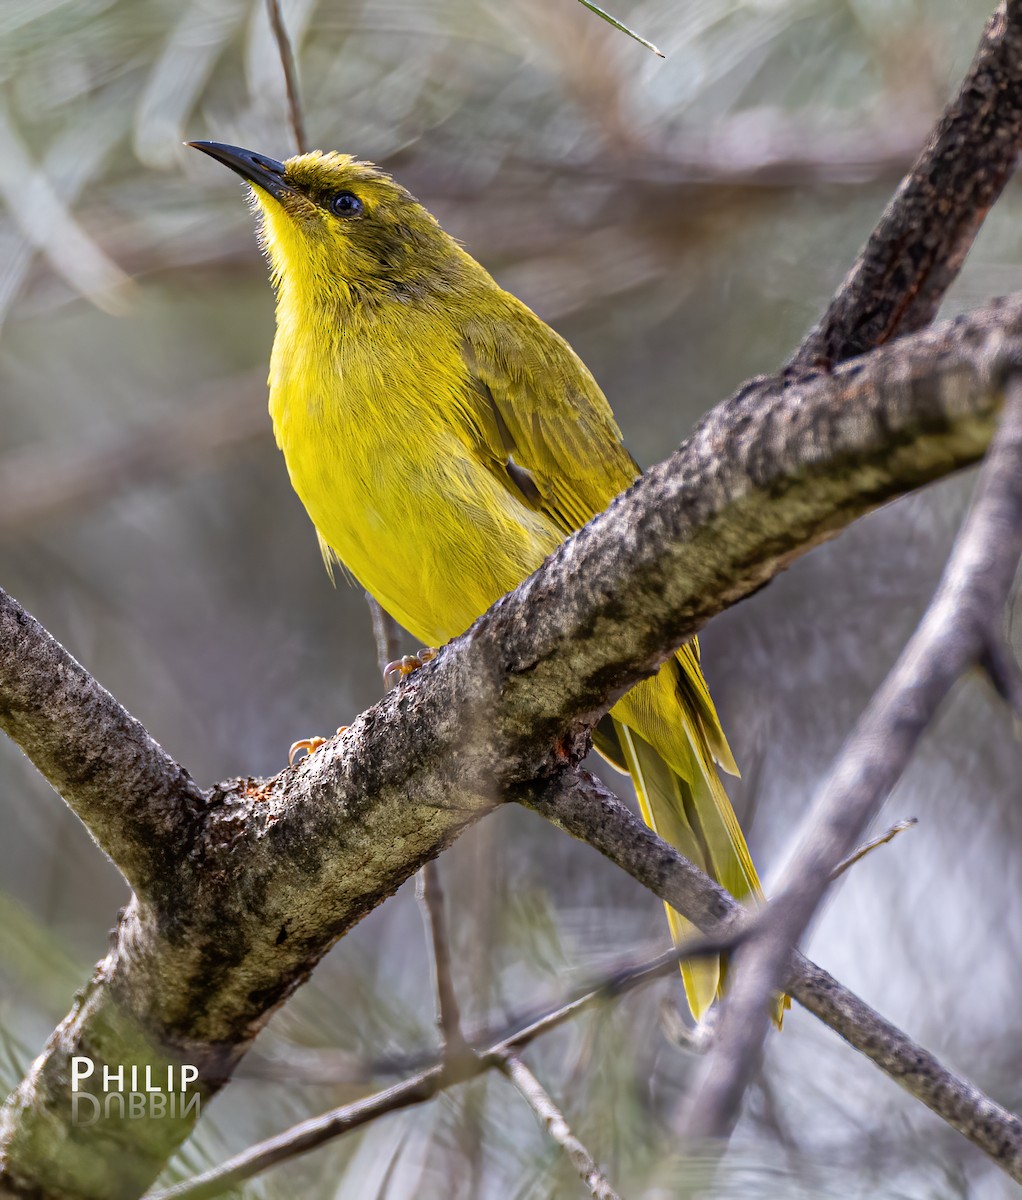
{"type": "Point", "coordinates": [537, 418]}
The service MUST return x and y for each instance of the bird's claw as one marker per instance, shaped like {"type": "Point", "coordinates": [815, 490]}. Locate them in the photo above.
{"type": "Point", "coordinates": [310, 745]}
{"type": "Point", "coordinates": [401, 668]}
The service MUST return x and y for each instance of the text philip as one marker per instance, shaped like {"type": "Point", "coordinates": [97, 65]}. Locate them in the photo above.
{"type": "Point", "coordinates": [131, 1091]}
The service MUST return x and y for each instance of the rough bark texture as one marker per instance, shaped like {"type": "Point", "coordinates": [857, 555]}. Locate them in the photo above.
{"type": "Point", "coordinates": [240, 891]}
{"type": "Point", "coordinates": [776, 469]}
{"type": "Point", "coordinates": [962, 621]}
{"type": "Point", "coordinates": [253, 882]}
{"type": "Point", "coordinates": [920, 243]}
{"type": "Point", "coordinates": [582, 806]}
{"type": "Point", "coordinates": [132, 797]}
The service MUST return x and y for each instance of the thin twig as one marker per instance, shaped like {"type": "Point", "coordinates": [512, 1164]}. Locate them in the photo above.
{"type": "Point", "coordinates": [299, 1139]}
{"type": "Point", "coordinates": [425, 1084]}
{"type": "Point", "coordinates": [429, 890]}
{"type": "Point", "coordinates": [387, 633]}
{"type": "Point", "coordinates": [405, 781]}
{"type": "Point", "coordinates": [581, 805]}
{"type": "Point", "coordinates": [591, 812]}
{"type": "Point", "coordinates": [453, 1045]}
{"type": "Point", "coordinates": [431, 895]}
{"type": "Point", "coordinates": [962, 620]}
{"type": "Point", "coordinates": [330, 1066]}
{"type": "Point", "coordinates": [553, 1119]}
{"type": "Point", "coordinates": [287, 61]}
{"type": "Point", "coordinates": [873, 844]}
{"type": "Point", "coordinates": [616, 983]}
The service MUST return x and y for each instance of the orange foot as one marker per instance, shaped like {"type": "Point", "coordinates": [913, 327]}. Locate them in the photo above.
{"type": "Point", "coordinates": [401, 668]}
{"type": "Point", "coordinates": [310, 745]}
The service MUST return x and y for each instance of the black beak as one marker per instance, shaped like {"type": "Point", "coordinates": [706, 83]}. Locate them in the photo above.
{"type": "Point", "coordinates": [257, 169]}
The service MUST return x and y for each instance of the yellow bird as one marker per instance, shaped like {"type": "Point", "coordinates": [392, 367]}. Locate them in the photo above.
{"type": "Point", "coordinates": [444, 440]}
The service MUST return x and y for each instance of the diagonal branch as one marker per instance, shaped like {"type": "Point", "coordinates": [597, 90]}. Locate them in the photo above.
{"type": "Point", "coordinates": [917, 249]}
{"type": "Point", "coordinates": [553, 1119]}
{"type": "Point", "coordinates": [583, 807]}
{"type": "Point", "coordinates": [690, 538]}
{"type": "Point", "coordinates": [432, 1079]}
{"type": "Point", "coordinates": [780, 462]}
{"type": "Point", "coordinates": [429, 887]}
{"type": "Point", "coordinates": [896, 285]}
{"type": "Point", "coordinates": [327, 1065]}
{"type": "Point", "coordinates": [960, 623]}
{"type": "Point", "coordinates": [240, 893]}
{"type": "Point", "coordinates": [130, 795]}
{"type": "Point", "coordinates": [309, 1135]}
{"type": "Point", "coordinates": [875, 843]}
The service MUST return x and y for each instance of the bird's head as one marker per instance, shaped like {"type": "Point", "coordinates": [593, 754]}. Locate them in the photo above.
{"type": "Point", "coordinates": [335, 228]}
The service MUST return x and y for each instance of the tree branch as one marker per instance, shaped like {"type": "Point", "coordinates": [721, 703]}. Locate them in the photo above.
{"type": "Point", "coordinates": [327, 1065]}
{"type": "Point", "coordinates": [895, 286]}
{"type": "Point", "coordinates": [132, 797]}
{"type": "Point", "coordinates": [920, 243]}
{"type": "Point", "coordinates": [960, 623]}
{"type": "Point", "coordinates": [448, 1015]}
{"type": "Point", "coordinates": [239, 893]}
{"type": "Point", "coordinates": [553, 1120]}
{"type": "Point", "coordinates": [875, 843]}
{"type": "Point", "coordinates": [308, 1136]}
{"type": "Point", "coordinates": [295, 115]}
{"type": "Point", "coordinates": [429, 1081]}
{"type": "Point", "coordinates": [583, 807]}
{"type": "Point", "coordinates": [239, 896]}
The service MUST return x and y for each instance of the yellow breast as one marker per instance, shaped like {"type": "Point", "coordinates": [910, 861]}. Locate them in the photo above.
{"type": "Point", "coordinates": [390, 482]}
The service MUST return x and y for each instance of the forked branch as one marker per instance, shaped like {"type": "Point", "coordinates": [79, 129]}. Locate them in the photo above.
{"type": "Point", "coordinates": [961, 625]}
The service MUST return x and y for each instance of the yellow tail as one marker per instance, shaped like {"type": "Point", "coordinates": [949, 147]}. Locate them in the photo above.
{"type": "Point", "coordinates": [669, 737]}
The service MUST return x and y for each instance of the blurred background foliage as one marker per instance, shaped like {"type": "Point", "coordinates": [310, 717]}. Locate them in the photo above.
{"type": "Point", "coordinates": [682, 223]}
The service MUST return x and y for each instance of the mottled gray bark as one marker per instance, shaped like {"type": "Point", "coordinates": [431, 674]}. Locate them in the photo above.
{"type": "Point", "coordinates": [912, 257]}
{"type": "Point", "coordinates": [242, 890]}
{"type": "Point", "coordinates": [490, 1051]}
{"type": "Point", "coordinates": [964, 619]}
{"type": "Point", "coordinates": [132, 797]}
{"type": "Point", "coordinates": [580, 805]}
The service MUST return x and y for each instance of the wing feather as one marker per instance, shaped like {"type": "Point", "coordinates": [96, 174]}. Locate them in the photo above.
{"type": "Point", "coordinates": [538, 420]}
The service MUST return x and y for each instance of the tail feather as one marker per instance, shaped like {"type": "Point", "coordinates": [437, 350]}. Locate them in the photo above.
{"type": "Point", "coordinates": [670, 737]}
{"type": "Point", "coordinates": [661, 800]}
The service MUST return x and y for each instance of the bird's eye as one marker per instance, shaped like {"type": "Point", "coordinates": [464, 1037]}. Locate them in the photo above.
{"type": "Point", "coordinates": [346, 204]}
